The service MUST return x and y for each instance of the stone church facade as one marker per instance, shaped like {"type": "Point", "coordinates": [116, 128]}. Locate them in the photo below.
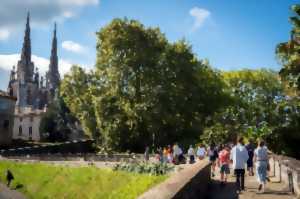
{"type": "Point", "coordinates": [33, 92]}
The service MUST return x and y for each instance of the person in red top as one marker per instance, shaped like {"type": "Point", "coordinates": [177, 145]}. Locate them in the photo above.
{"type": "Point", "coordinates": [223, 163]}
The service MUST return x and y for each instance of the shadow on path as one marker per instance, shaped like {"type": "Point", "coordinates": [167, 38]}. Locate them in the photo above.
{"type": "Point", "coordinates": [216, 191]}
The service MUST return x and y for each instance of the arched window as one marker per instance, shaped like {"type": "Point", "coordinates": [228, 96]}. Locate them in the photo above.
{"type": "Point", "coordinates": [30, 133]}
{"type": "Point", "coordinates": [20, 130]}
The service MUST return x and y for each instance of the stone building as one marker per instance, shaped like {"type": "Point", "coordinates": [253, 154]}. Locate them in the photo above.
{"type": "Point", "coordinates": [33, 92]}
{"type": "Point", "coordinates": [7, 107]}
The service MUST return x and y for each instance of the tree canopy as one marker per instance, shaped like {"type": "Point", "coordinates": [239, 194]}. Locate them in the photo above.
{"type": "Point", "coordinates": [145, 90]}
{"type": "Point", "coordinates": [289, 52]}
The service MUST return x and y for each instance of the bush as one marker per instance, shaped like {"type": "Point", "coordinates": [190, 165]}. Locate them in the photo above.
{"type": "Point", "coordinates": [142, 167]}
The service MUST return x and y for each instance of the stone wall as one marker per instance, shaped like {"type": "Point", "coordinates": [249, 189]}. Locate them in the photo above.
{"type": "Point", "coordinates": [59, 149]}
{"type": "Point", "coordinates": [191, 182]}
{"type": "Point", "coordinates": [287, 170]}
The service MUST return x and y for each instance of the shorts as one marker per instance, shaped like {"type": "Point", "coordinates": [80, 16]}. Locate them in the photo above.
{"type": "Point", "coordinates": [249, 163]}
{"type": "Point", "coordinates": [212, 159]}
{"type": "Point", "coordinates": [224, 169]}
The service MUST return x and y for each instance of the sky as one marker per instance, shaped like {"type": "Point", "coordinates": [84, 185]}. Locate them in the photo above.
{"type": "Point", "coordinates": [231, 34]}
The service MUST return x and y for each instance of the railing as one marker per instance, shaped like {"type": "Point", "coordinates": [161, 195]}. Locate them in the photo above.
{"type": "Point", "coordinates": [286, 170]}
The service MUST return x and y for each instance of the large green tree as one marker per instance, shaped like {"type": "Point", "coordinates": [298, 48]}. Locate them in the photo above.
{"type": "Point", "coordinates": [259, 110]}
{"type": "Point", "coordinates": [289, 52]}
{"type": "Point", "coordinates": [254, 95]}
{"type": "Point", "coordinates": [144, 90]}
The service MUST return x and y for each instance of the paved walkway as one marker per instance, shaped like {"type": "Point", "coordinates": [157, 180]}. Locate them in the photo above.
{"type": "Point", "coordinates": [273, 190]}
{"type": "Point", "coordinates": [6, 193]}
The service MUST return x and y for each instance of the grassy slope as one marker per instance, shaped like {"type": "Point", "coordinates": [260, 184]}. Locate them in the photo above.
{"type": "Point", "coordinates": [46, 181]}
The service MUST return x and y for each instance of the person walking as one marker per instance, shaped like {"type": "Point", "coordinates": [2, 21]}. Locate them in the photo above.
{"type": "Point", "coordinates": [201, 152]}
{"type": "Point", "coordinates": [239, 157]}
{"type": "Point", "coordinates": [170, 154]}
{"type": "Point", "coordinates": [250, 148]}
{"type": "Point", "coordinates": [212, 156]}
{"type": "Point", "coordinates": [191, 154]}
{"type": "Point", "coordinates": [223, 163]}
{"type": "Point", "coordinates": [261, 160]}
{"type": "Point", "coordinates": [9, 177]}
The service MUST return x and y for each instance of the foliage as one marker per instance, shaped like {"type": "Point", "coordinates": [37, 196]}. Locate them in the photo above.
{"type": "Point", "coordinates": [145, 90]}
{"type": "Point", "coordinates": [76, 92]}
{"type": "Point", "coordinates": [56, 123]}
{"type": "Point", "coordinates": [253, 100]}
{"type": "Point", "coordinates": [145, 167]}
{"type": "Point", "coordinates": [46, 181]}
{"type": "Point", "coordinates": [259, 110]}
{"type": "Point", "coordinates": [288, 52]}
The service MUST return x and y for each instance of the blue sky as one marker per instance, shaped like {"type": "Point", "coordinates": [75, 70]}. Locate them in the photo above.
{"type": "Point", "coordinates": [232, 34]}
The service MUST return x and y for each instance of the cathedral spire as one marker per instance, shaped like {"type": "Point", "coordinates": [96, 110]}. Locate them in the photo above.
{"type": "Point", "coordinates": [53, 74]}
{"type": "Point", "coordinates": [26, 50]}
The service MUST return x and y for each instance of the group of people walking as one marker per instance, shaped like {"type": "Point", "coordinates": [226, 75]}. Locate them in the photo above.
{"type": "Point", "coordinates": [239, 155]}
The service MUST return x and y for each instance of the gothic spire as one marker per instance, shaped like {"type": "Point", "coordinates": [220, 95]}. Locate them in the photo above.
{"type": "Point", "coordinates": [26, 50]}
{"type": "Point", "coordinates": [53, 74]}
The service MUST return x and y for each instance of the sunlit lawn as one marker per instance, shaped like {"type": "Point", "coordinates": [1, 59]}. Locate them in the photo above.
{"type": "Point", "coordinates": [47, 181]}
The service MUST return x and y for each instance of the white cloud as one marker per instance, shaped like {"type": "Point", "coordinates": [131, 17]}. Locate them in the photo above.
{"type": "Point", "coordinates": [200, 16]}
{"type": "Point", "coordinates": [8, 61]}
{"type": "Point", "coordinates": [4, 34]}
{"type": "Point", "coordinates": [43, 12]}
{"type": "Point", "coordinates": [79, 2]}
{"type": "Point", "coordinates": [73, 47]}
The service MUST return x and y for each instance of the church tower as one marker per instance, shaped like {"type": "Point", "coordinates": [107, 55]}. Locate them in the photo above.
{"type": "Point", "coordinates": [25, 66]}
{"type": "Point", "coordinates": [53, 77]}
{"type": "Point", "coordinates": [23, 83]}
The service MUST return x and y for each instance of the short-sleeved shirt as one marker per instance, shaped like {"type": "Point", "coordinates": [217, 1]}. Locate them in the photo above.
{"type": "Point", "coordinates": [261, 153]}
{"type": "Point", "coordinates": [224, 157]}
{"type": "Point", "coordinates": [191, 151]}
{"type": "Point", "coordinates": [201, 152]}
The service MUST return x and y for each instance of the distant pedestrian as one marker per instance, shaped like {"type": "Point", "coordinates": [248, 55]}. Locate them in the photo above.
{"type": "Point", "coordinates": [191, 154]}
{"type": "Point", "coordinates": [212, 156]}
{"type": "Point", "coordinates": [250, 148]}
{"type": "Point", "coordinates": [262, 160]}
{"type": "Point", "coordinates": [165, 155]}
{"type": "Point", "coordinates": [239, 156]}
{"type": "Point", "coordinates": [201, 152]}
{"type": "Point", "coordinates": [223, 163]}
{"type": "Point", "coordinates": [160, 154]}
{"type": "Point", "coordinates": [176, 152]}
{"type": "Point", "coordinates": [9, 177]}
{"type": "Point", "coordinates": [146, 154]}
{"type": "Point", "coordinates": [170, 154]}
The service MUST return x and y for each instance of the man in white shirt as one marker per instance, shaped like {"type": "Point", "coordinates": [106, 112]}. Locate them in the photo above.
{"type": "Point", "coordinates": [239, 157]}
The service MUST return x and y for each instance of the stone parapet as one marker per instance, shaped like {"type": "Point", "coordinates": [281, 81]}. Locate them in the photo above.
{"type": "Point", "coordinates": [191, 182]}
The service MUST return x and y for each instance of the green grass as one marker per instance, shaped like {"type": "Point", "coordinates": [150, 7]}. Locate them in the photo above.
{"type": "Point", "coordinates": [48, 181]}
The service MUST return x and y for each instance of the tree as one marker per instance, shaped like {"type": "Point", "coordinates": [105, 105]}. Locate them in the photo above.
{"type": "Point", "coordinates": [254, 99]}
{"type": "Point", "coordinates": [289, 52]}
{"type": "Point", "coordinates": [56, 123]}
{"type": "Point", "coordinates": [75, 90]}
{"type": "Point", "coordinates": [144, 90]}
{"type": "Point", "coordinates": [260, 109]}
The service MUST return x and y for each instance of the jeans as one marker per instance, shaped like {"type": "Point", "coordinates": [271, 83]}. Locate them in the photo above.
{"type": "Point", "coordinates": [240, 178]}
{"type": "Point", "coordinates": [261, 171]}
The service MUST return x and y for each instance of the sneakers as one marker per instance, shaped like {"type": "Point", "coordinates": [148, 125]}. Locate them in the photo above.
{"type": "Point", "coordinates": [259, 187]}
